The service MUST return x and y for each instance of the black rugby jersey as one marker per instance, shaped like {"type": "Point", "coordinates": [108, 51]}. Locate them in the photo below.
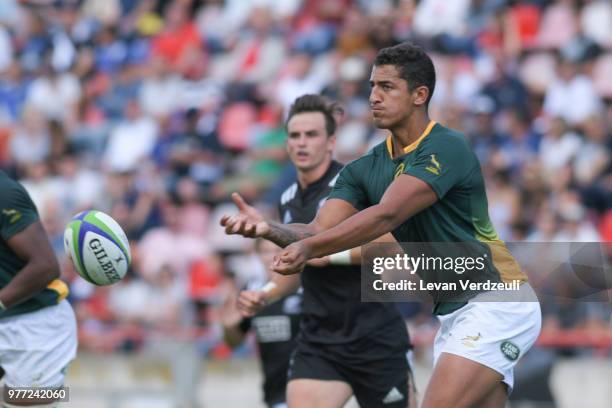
{"type": "Point", "coordinates": [332, 311]}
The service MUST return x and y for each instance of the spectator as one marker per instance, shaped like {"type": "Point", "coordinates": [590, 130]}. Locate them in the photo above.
{"type": "Point", "coordinates": [31, 142]}
{"type": "Point", "coordinates": [170, 245]}
{"type": "Point", "coordinates": [178, 39]}
{"type": "Point", "coordinates": [158, 96]}
{"type": "Point", "coordinates": [55, 95]}
{"type": "Point", "coordinates": [131, 140]}
{"type": "Point", "coordinates": [572, 95]}
{"type": "Point", "coordinates": [559, 146]}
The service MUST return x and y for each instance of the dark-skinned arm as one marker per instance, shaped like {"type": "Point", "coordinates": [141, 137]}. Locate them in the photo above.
{"type": "Point", "coordinates": [405, 197]}
{"type": "Point", "coordinates": [251, 224]}
{"type": "Point", "coordinates": [32, 246]}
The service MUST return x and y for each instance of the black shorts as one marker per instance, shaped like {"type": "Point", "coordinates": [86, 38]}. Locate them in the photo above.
{"type": "Point", "coordinates": [378, 378]}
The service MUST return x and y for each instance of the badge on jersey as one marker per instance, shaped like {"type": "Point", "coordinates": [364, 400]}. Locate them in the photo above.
{"type": "Point", "coordinates": [399, 170]}
{"type": "Point", "coordinates": [14, 215]}
{"type": "Point", "coordinates": [435, 167]}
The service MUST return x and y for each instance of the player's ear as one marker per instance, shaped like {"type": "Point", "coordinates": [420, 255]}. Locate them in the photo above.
{"type": "Point", "coordinates": [420, 95]}
{"type": "Point", "coordinates": [331, 142]}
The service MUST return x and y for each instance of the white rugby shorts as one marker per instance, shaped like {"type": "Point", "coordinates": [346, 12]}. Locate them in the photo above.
{"type": "Point", "coordinates": [494, 334]}
{"type": "Point", "coordinates": [36, 347]}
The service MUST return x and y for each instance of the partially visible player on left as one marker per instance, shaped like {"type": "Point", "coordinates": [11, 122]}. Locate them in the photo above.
{"type": "Point", "coordinates": [38, 334]}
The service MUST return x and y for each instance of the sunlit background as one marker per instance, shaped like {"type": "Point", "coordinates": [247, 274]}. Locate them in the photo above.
{"type": "Point", "coordinates": [154, 111]}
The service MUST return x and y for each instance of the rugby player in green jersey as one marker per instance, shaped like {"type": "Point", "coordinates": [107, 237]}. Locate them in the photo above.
{"type": "Point", "coordinates": [38, 336]}
{"type": "Point", "coordinates": [423, 184]}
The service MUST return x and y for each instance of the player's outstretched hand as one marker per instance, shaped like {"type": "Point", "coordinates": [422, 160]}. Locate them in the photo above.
{"type": "Point", "coordinates": [250, 302]}
{"type": "Point", "coordinates": [292, 259]}
{"type": "Point", "coordinates": [248, 222]}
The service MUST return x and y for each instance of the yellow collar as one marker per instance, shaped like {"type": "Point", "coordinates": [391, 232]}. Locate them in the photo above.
{"type": "Point", "coordinates": [414, 144]}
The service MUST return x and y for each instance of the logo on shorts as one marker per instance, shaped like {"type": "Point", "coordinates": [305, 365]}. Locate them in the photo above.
{"type": "Point", "coordinates": [468, 340]}
{"type": "Point", "coordinates": [393, 396]}
{"type": "Point", "coordinates": [510, 350]}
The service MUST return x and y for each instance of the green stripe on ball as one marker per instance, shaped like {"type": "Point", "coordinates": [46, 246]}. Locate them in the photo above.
{"type": "Point", "coordinates": [92, 219]}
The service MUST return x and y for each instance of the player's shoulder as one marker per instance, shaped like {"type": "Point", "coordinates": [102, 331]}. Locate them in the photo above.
{"type": "Point", "coordinates": [446, 138]}
{"type": "Point", "coordinates": [9, 187]}
{"type": "Point", "coordinates": [7, 182]}
{"type": "Point", "coordinates": [289, 193]}
{"type": "Point", "coordinates": [365, 161]}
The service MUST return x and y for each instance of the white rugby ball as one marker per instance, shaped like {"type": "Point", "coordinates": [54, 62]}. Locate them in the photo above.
{"type": "Point", "coordinates": [98, 247]}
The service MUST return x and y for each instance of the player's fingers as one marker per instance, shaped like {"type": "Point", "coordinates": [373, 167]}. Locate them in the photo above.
{"type": "Point", "coordinates": [244, 304]}
{"type": "Point", "coordinates": [288, 257]}
{"type": "Point", "coordinates": [230, 223]}
{"type": "Point", "coordinates": [258, 300]}
{"type": "Point", "coordinates": [249, 230]}
{"type": "Point", "coordinates": [283, 268]}
{"type": "Point", "coordinates": [224, 220]}
{"type": "Point", "coordinates": [253, 298]}
{"type": "Point", "coordinates": [238, 226]}
{"type": "Point", "coordinates": [239, 201]}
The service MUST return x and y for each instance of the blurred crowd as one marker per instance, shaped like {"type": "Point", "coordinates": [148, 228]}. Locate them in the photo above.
{"type": "Point", "coordinates": [155, 111]}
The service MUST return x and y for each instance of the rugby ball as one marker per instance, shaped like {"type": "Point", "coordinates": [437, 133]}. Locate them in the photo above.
{"type": "Point", "coordinates": [98, 247]}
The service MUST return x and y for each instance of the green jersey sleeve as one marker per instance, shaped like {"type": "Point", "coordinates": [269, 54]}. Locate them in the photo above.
{"type": "Point", "coordinates": [443, 162]}
{"type": "Point", "coordinates": [348, 188]}
{"type": "Point", "coordinates": [17, 211]}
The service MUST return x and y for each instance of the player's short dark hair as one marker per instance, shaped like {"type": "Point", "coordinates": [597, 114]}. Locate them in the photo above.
{"type": "Point", "coordinates": [317, 103]}
{"type": "Point", "coordinates": [413, 64]}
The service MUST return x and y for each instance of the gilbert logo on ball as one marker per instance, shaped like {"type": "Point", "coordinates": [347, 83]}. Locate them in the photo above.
{"type": "Point", "coordinates": [98, 247]}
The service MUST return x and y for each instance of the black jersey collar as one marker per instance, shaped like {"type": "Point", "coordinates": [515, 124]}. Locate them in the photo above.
{"type": "Point", "coordinates": [333, 169]}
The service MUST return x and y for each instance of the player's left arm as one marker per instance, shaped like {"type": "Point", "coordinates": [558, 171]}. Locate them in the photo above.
{"type": "Point", "coordinates": [405, 197]}
{"type": "Point", "coordinates": [32, 245]}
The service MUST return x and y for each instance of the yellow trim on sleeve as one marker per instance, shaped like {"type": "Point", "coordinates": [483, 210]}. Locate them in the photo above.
{"type": "Point", "coordinates": [60, 287]}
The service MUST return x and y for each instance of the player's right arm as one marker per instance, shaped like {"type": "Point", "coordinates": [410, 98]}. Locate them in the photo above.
{"type": "Point", "coordinates": [251, 224]}
{"type": "Point", "coordinates": [23, 233]}
{"type": "Point", "coordinates": [31, 245]}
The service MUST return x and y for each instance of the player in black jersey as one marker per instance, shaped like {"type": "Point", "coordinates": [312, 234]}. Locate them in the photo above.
{"type": "Point", "coordinates": [345, 346]}
{"type": "Point", "coordinates": [276, 327]}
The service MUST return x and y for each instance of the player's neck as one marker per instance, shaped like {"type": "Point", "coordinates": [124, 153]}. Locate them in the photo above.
{"type": "Point", "coordinates": [306, 178]}
{"type": "Point", "coordinates": [408, 133]}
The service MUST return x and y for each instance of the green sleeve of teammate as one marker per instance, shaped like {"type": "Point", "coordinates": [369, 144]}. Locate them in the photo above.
{"type": "Point", "coordinates": [17, 210]}
{"type": "Point", "coordinates": [348, 188]}
{"type": "Point", "coordinates": [442, 162]}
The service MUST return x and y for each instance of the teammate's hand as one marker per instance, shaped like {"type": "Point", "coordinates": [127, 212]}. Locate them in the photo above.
{"type": "Point", "coordinates": [248, 222]}
{"type": "Point", "coordinates": [292, 259]}
{"type": "Point", "coordinates": [250, 302]}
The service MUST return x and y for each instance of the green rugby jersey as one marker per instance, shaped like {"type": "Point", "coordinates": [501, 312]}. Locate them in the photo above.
{"type": "Point", "coordinates": [443, 159]}
{"type": "Point", "coordinates": [17, 211]}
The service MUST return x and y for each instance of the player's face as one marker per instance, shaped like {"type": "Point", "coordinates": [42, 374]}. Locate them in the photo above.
{"type": "Point", "coordinates": [391, 101]}
{"type": "Point", "coordinates": [308, 144]}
